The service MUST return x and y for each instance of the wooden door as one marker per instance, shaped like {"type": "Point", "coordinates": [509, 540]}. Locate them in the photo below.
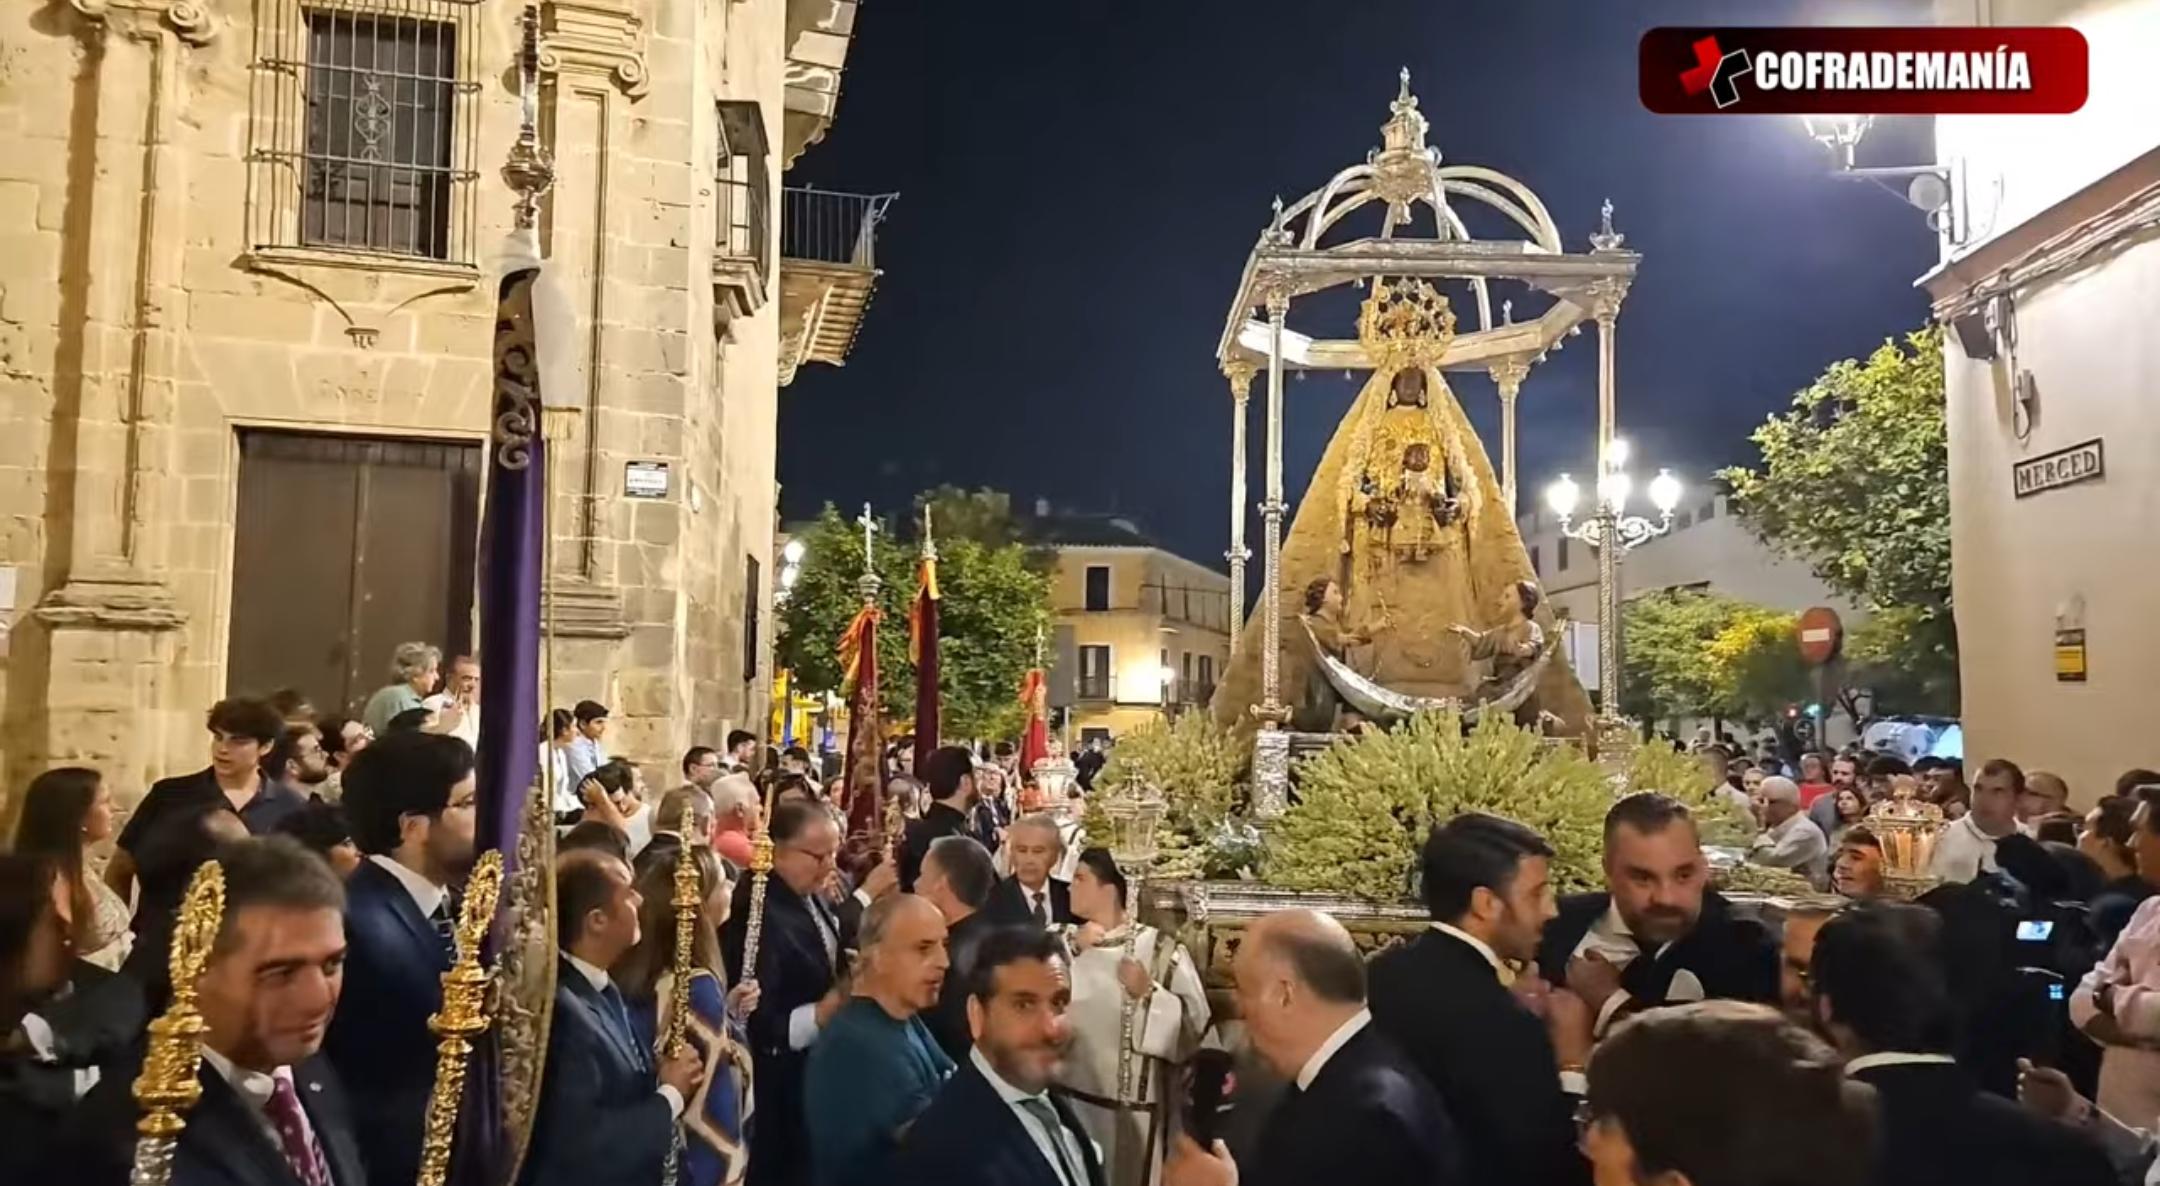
{"type": "Point", "coordinates": [344, 547]}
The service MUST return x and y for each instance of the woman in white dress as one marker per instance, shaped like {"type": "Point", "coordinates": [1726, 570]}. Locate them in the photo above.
{"type": "Point", "coordinates": [1138, 1012]}
{"type": "Point", "coordinates": [66, 813]}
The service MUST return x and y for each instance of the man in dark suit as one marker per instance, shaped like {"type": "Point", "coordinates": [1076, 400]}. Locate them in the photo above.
{"type": "Point", "coordinates": [997, 1122]}
{"type": "Point", "coordinates": [1881, 996]}
{"type": "Point", "coordinates": [801, 976]}
{"type": "Point", "coordinates": [1034, 845]}
{"type": "Point", "coordinates": [949, 775]}
{"type": "Point", "coordinates": [271, 1112]}
{"type": "Point", "coordinates": [1301, 993]}
{"type": "Point", "coordinates": [409, 798]}
{"type": "Point", "coordinates": [1659, 935]}
{"type": "Point", "coordinates": [607, 1113]}
{"type": "Point", "coordinates": [957, 877]}
{"type": "Point", "coordinates": [1444, 998]}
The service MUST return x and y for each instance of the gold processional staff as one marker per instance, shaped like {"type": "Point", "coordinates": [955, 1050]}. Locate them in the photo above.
{"type": "Point", "coordinates": [688, 903]}
{"type": "Point", "coordinates": [463, 1018]}
{"type": "Point", "coordinates": [170, 1084]}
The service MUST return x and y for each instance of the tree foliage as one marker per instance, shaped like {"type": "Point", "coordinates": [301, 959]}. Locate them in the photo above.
{"type": "Point", "coordinates": [1694, 654]}
{"type": "Point", "coordinates": [1854, 481]}
{"type": "Point", "coordinates": [995, 598]}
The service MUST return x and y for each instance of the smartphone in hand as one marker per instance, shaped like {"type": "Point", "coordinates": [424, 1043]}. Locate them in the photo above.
{"type": "Point", "coordinates": [1210, 1090]}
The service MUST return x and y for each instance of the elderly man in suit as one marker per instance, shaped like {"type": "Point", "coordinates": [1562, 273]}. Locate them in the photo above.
{"type": "Point", "coordinates": [607, 1112]}
{"type": "Point", "coordinates": [1034, 846]}
{"type": "Point", "coordinates": [272, 1112]}
{"type": "Point", "coordinates": [999, 1121]}
{"type": "Point", "coordinates": [801, 973]}
{"type": "Point", "coordinates": [1301, 991]}
{"type": "Point", "coordinates": [409, 798]}
{"type": "Point", "coordinates": [1659, 935]}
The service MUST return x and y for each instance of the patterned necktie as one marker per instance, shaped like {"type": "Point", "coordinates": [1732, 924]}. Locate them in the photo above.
{"type": "Point", "coordinates": [619, 1015]}
{"type": "Point", "coordinates": [295, 1139]}
{"type": "Point", "coordinates": [1042, 916]}
{"type": "Point", "coordinates": [1047, 1116]}
{"type": "Point", "coordinates": [445, 926]}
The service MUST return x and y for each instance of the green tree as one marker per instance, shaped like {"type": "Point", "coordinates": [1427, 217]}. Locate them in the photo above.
{"type": "Point", "coordinates": [1755, 663]}
{"type": "Point", "coordinates": [1695, 654]}
{"type": "Point", "coordinates": [994, 600]}
{"type": "Point", "coordinates": [984, 516]}
{"type": "Point", "coordinates": [1854, 481]}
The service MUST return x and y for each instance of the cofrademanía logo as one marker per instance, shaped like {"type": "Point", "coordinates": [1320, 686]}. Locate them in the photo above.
{"type": "Point", "coordinates": [1863, 71]}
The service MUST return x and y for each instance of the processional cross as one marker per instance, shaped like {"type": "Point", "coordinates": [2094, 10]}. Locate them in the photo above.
{"type": "Point", "coordinates": [869, 525]}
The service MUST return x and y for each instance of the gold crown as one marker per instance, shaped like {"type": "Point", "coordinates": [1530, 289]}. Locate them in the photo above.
{"type": "Point", "coordinates": [1405, 325]}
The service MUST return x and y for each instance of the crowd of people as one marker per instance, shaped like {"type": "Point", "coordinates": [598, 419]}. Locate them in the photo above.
{"type": "Point", "coordinates": [976, 1000]}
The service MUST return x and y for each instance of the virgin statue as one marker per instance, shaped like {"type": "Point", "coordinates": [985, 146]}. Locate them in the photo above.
{"type": "Point", "coordinates": [1405, 517]}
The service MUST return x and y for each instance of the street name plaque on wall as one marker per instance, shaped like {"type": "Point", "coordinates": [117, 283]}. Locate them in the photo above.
{"type": "Point", "coordinates": [645, 479]}
{"type": "Point", "coordinates": [2063, 467]}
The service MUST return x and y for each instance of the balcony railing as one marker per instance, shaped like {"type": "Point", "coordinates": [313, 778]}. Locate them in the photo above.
{"type": "Point", "coordinates": [831, 228]}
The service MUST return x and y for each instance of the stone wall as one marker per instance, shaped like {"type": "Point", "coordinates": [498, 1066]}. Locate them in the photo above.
{"type": "Point", "coordinates": [141, 329]}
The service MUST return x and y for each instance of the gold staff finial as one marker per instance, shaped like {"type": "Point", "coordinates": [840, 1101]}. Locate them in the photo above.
{"type": "Point", "coordinates": [761, 863]}
{"type": "Point", "coordinates": [463, 1017]}
{"type": "Point", "coordinates": [689, 902]}
{"type": "Point", "coordinates": [530, 169]}
{"type": "Point", "coordinates": [169, 1084]}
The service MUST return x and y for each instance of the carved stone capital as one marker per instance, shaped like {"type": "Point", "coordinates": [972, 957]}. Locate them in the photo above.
{"type": "Point", "coordinates": [1605, 296]}
{"type": "Point", "coordinates": [599, 37]}
{"type": "Point", "coordinates": [1240, 371]}
{"type": "Point", "coordinates": [1508, 374]}
{"type": "Point", "coordinates": [190, 20]}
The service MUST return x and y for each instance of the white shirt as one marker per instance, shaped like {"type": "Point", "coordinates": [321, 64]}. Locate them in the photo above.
{"type": "Point", "coordinates": [639, 828]}
{"type": "Point", "coordinates": [563, 788]}
{"type": "Point", "coordinates": [1895, 1058]}
{"type": "Point", "coordinates": [599, 979]}
{"type": "Point", "coordinates": [1336, 1041]}
{"type": "Point", "coordinates": [1612, 938]}
{"type": "Point", "coordinates": [255, 1089]}
{"type": "Point", "coordinates": [1481, 946]}
{"type": "Point", "coordinates": [467, 729]}
{"type": "Point", "coordinates": [1962, 852]}
{"type": "Point", "coordinates": [1043, 1138]}
{"type": "Point", "coordinates": [1796, 844]}
{"type": "Point", "coordinates": [427, 895]}
{"type": "Point", "coordinates": [45, 1046]}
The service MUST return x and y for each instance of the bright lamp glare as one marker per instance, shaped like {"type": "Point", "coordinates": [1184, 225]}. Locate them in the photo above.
{"type": "Point", "coordinates": [1562, 496]}
{"type": "Point", "coordinates": [1616, 453]}
{"type": "Point", "coordinates": [793, 552]}
{"type": "Point", "coordinates": [1613, 489]}
{"type": "Point", "coordinates": [789, 575]}
{"type": "Point", "coordinates": [1665, 491]}
{"type": "Point", "coordinates": [1169, 674]}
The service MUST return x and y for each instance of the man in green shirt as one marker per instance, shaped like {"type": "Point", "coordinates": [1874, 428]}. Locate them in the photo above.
{"type": "Point", "coordinates": [875, 1066]}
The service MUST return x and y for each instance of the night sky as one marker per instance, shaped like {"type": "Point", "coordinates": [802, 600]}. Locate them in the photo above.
{"type": "Point", "coordinates": [1080, 183]}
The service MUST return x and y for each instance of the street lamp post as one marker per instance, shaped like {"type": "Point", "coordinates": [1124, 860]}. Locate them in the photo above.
{"type": "Point", "coordinates": [1612, 532]}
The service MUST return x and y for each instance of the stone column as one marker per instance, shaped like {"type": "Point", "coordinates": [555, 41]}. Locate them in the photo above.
{"type": "Point", "coordinates": [1271, 708]}
{"type": "Point", "coordinates": [1240, 373]}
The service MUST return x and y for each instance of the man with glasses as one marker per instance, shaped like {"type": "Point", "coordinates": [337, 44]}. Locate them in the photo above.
{"type": "Point", "coordinates": [802, 976]}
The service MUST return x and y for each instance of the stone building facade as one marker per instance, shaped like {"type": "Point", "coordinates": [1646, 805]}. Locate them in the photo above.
{"type": "Point", "coordinates": [247, 288]}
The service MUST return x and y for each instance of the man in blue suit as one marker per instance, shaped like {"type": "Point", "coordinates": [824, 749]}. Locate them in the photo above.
{"type": "Point", "coordinates": [409, 798]}
{"type": "Point", "coordinates": [607, 1114]}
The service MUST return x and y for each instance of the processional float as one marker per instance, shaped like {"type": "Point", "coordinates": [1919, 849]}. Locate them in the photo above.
{"type": "Point", "coordinates": [1407, 326]}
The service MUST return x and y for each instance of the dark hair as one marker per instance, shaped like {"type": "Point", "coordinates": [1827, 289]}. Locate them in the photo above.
{"type": "Point", "coordinates": [1885, 766]}
{"type": "Point", "coordinates": [402, 774]}
{"type": "Point", "coordinates": [25, 900]}
{"type": "Point", "coordinates": [1003, 749]}
{"type": "Point", "coordinates": [332, 729]}
{"type": "Point", "coordinates": [737, 737]}
{"type": "Point", "coordinates": [274, 871]}
{"type": "Point", "coordinates": [1881, 967]}
{"type": "Point", "coordinates": [692, 756]}
{"type": "Point", "coordinates": [286, 748]}
{"type": "Point", "coordinates": [412, 720]}
{"type": "Point", "coordinates": [2005, 768]}
{"type": "Point", "coordinates": [1004, 946]}
{"type": "Point", "coordinates": [967, 866]}
{"type": "Point", "coordinates": [588, 711]}
{"type": "Point", "coordinates": [2131, 780]}
{"type": "Point", "coordinates": [582, 885]}
{"type": "Point", "coordinates": [1470, 851]}
{"type": "Point", "coordinates": [320, 826]}
{"type": "Point", "coordinates": [2060, 827]}
{"type": "Point", "coordinates": [51, 827]}
{"type": "Point", "coordinates": [792, 782]}
{"type": "Point", "coordinates": [2112, 821]}
{"type": "Point", "coordinates": [1753, 1079]}
{"type": "Point", "coordinates": [560, 722]}
{"type": "Point", "coordinates": [1104, 866]}
{"type": "Point", "coordinates": [1527, 593]}
{"type": "Point", "coordinates": [944, 770]}
{"type": "Point", "coordinates": [791, 819]}
{"type": "Point", "coordinates": [616, 776]}
{"type": "Point", "coordinates": [1329, 965]}
{"type": "Point", "coordinates": [1647, 812]}
{"type": "Point", "coordinates": [1316, 593]}
{"type": "Point", "coordinates": [595, 836]}
{"type": "Point", "coordinates": [1860, 836]}
{"type": "Point", "coordinates": [796, 753]}
{"type": "Point", "coordinates": [287, 702]}
{"type": "Point", "coordinates": [240, 716]}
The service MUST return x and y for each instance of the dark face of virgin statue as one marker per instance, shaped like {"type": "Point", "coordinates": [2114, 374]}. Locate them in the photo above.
{"type": "Point", "coordinates": [1408, 388]}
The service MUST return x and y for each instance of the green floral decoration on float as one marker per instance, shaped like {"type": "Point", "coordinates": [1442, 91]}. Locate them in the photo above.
{"type": "Point", "coordinates": [1197, 765]}
{"type": "Point", "coordinates": [1366, 805]}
